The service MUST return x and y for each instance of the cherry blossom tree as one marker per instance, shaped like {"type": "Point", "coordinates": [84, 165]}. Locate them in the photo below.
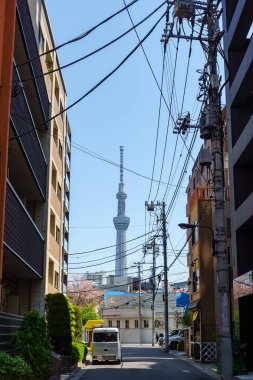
{"type": "Point", "coordinates": [82, 292]}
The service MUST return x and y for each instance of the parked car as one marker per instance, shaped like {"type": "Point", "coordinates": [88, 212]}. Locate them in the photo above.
{"type": "Point", "coordinates": [176, 336]}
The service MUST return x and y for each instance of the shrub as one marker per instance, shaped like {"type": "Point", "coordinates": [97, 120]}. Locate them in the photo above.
{"type": "Point", "coordinates": [59, 320]}
{"type": "Point", "coordinates": [31, 342]}
{"type": "Point", "coordinates": [77, 352]}
{"type": "Point", "coordinates": [85, 352]}
{"type": "Point", "coordinates": [77, 335]}
{"type": "Point", "coordinates": [14, 368]}
{"type": "Point", "coordinates": [239, 358]}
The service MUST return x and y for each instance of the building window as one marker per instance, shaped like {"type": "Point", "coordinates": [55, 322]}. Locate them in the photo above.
{"type": "Point", "coordinates": [195, 236]}
{"type": "Point", "coordinates": [41, 40]}
{"type": "Point", "coordinates": [61, 109]}
{"type": "Point", "coordinates": [58, 191]}
{"type": "Point", "coordinates": [136, 323]}
{"type": "Point", "coordinates": [195, 285]}
{"type": "Point", "coordinates": [118, 324]}
{"type": "Point", "coordinates": [54, 176]}
{"type": "Point", "coordinates": [146, 324]}
{"type": "Point", "coordinates": [55, 134]}
{"type": "Point", "coordinates": [109, 323]}
{"type": "Point", "coordinates": [60, 149]}
{"type": "Point", "coordinates": [50, 271]}
{"type": "Point", "coordinates": [127, 324]}
{"type": "Point", "coordinates": [56, 280]}
{"type": "Point", "coordinates": [52, 223]}
{"type": "Point", "coordinates": [57, 234]}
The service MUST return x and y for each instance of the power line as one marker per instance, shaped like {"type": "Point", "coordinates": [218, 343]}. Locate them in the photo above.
{"type": "Point", "coordinates": [101, 81]}
{"type": "Point", "coordinates": [50, 72]}
{"type": "Point", "coordinates": [78, 38]}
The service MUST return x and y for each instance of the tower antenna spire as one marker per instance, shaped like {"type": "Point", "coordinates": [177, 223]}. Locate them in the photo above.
{"type": "Point", "coordinates": [121, 163]}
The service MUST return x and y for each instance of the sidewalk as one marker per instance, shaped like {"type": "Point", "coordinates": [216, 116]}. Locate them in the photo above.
{"type": "Point", "coordinates": [208, 368]}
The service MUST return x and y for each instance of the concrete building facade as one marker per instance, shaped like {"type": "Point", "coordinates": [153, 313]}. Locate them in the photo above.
{"type": "Point", "coordinates": [238, 45]}
{"type": "Point", "coordinates": [132, 314]}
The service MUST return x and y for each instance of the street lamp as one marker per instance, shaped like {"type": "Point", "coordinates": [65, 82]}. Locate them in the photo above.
{"type": "Point", "coordinates": [186, 226]}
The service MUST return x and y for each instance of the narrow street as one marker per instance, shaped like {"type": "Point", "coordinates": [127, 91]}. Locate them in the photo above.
{"type": "Point", "coordinates": [144, 363]}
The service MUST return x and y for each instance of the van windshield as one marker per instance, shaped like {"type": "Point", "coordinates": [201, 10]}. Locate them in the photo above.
{"type": "Point", "coordinates": [105, 336]}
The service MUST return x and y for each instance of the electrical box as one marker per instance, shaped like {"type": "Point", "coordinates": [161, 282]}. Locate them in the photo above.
{"type": "Point", "coordinates": [205, 158]}
{"type": "Point", "coordinates": [184, 9]}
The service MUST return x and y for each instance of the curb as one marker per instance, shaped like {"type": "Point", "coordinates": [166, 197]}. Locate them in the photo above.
{"type": "Point", "coordinates": [206, 370]}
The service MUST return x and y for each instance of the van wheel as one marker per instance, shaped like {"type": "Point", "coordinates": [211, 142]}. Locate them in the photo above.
{"type": "Point", "coordinates": [118, 361]}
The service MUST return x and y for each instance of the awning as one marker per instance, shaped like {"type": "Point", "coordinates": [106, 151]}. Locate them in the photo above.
{"type": "Point", "coordinates": [194, 305]}
{"type": "Point", "coordinates": [91, 323]}
{"type": "Point", "coordinates": [195, 315]}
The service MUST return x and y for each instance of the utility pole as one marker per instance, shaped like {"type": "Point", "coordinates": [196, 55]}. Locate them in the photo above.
{"type": "Point", "coordinates": [153, 293]}
{"type": "Point", "coordinates": [151, 207]}
{"type": "Point", "coordinates": [219, 215]}
{"type": "Point", "coordinates": [165, 275]}
{"type": "Point", "coordinates": [154, 247]}
{"type": "Point", "coordinates": [211, 128]}
{"type": "Point", "coordinates": [138, 265]}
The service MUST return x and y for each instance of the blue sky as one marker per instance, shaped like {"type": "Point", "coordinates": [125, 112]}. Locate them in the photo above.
{"type": "Point", "coordinates": [122, 111]}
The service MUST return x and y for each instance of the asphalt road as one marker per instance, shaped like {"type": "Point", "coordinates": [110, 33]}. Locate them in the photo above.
{"type": "Point", "coordinates": [144, 363]}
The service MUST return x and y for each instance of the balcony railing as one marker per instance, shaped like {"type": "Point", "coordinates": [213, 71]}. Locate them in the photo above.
{"type": "Point", "coordinates": [23, 125]}
{"type": "Point", "coordinates": [66, 224]}
{"type": "Point", "coordinates": [67, 183]}
{"type": "Point", "coordinates": [66, 203]}
{"type": "Point", "coordinates": [21, 236]}
{"type": "Point", "coordinates": [67, 163]}
{"type": "Point", "coordinates": [66, 245]}
{"type": "Point", "coordinates": [9, 323]}
{"type": "Point", "coordinates": [32, 50]}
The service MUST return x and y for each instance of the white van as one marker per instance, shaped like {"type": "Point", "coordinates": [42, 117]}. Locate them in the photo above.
{"type": "Point", "coordinates": [106, 344]}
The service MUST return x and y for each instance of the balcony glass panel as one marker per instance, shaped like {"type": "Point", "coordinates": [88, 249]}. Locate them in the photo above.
{"type": "Point", "coordinates": [32, 49]}
{"type": "Point", "coordinates": [21, 235]}
{"type": "Point", "coordinates": [23, 125]}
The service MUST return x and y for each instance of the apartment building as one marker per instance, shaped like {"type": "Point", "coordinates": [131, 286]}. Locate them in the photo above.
{"type": "Point", "coordinates": [35, 246]}
{"type": "Point", "coordinates": [59, 157]}
{"type": "Point", "coordinates": [238, 46]}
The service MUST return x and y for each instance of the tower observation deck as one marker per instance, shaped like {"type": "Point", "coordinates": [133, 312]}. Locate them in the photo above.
{"type": "Point", "coordinates": [121, 223]}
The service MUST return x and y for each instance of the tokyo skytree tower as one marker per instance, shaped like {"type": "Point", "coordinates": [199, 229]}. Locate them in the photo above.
{"type": "Point", "coordinates": [121, 223]}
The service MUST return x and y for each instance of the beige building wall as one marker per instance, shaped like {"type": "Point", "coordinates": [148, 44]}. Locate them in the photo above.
{"type": "Point", "coordinates": [58, 131]}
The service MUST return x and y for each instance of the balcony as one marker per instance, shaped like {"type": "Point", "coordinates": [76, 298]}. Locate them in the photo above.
{"type": "Point", "coordinates": [67, 161]}
{"type": "Point", "coordinates": [24, 18]}
{"type": "Point", "coordinates": [66, 225]}
{"type": "Point", "coordinates": [68, 146]}
{"type": "Point", "coordinates": [23, 125]}
{"type": "Point", "coordinates": [21, 236]}
{"type": "Point", "coordinates": [66, 245]}
{"type": "Point", "coordinates": [66, 203]}
{"type": "Point", "coordinates": [67, 183]}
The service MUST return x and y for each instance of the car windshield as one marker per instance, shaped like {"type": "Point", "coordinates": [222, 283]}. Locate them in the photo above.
{"type": "Point", "coordinates": [174, 332]}
{"type": "Point", "coordinates": [105, 337]}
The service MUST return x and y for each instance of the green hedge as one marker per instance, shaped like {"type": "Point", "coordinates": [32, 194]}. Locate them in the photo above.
{"type": "Point", "coordinates": [85, 352]}
{"type": "Point", "coordinates": [14, 368]}
{"type": "Point", "coordinates": [77, 352]}
{"type": "Point", "coordinates": [31, 342]}
{"type": "Point", "coordinates": [59, 323]}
